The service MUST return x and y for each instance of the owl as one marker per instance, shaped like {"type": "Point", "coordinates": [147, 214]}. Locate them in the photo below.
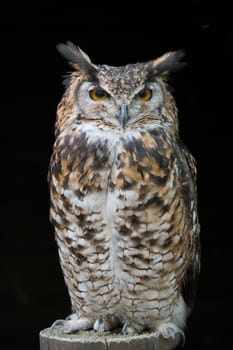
{"type": "Point", "coordinates": [124, 199]}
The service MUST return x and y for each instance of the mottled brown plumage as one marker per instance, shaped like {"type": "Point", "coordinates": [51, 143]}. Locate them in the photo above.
{"type": "Point", "coordinates": [123, 199]}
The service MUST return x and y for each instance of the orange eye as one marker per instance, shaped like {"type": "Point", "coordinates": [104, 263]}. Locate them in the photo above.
{"type": "Point", "coordinates": [144, 95]}
{"type": "Point", "coordinates": [98, 94]}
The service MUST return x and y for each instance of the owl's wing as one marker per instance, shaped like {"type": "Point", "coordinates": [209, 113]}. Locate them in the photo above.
{"type": "Point", "coordinates": [189, 177]}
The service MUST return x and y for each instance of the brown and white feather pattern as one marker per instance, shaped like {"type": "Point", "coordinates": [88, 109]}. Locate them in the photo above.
{"type": "Point", "coordinates": [124, 208]}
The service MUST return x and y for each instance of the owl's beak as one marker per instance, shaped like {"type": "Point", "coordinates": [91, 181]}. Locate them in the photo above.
{"type": "Point", "coordinates": [123, 114]}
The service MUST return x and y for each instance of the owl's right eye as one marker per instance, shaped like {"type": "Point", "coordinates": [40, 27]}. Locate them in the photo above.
{"type": "Point", "coordinates": [98, 94]}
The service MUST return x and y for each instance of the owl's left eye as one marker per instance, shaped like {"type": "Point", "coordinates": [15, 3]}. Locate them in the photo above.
{"type": "Point", "coordinates": [144, 95]}
{"type": "Point", "coordinates": [98, 94]}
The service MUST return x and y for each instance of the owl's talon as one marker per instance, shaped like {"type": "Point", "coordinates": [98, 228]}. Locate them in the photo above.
{"type": "Point", "coordinates": [124, 328]}
{"type": "Point", "coordinates": [61, 321]}
{"type": "Point", "coordinates": [182, 337]}
{"type": "Point", "coordinates": [175, 333]}
{"type": "Point", "coordinates": [56, 323]}
{"type": "Point", "coordinates": [172, 331]}
{"type": "Point", "coordinates": [99, 325]}
{"type": "Point", "coordinates": [128, 330]}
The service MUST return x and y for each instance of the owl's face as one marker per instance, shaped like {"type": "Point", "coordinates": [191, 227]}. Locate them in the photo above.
{"type": "Point", "coordinates": [118, 102]}
{"type": "Point", "coordinates": [122, 97]}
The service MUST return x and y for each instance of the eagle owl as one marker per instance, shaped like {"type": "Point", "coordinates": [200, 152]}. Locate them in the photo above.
{"type": "Point", "coordinates": [123, 199]}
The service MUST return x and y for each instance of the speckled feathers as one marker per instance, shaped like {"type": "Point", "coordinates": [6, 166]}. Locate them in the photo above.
{"type": "Point", "coordinates": [123, 199]}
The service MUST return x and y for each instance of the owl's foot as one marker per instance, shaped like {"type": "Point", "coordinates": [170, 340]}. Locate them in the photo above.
{"type": "Point", "coordinates": [104, 324]}
{"type": "Point", "coordinates": [129, 330]}
{"type": "Point", "coordinates": [172, 332]}
{"type": "Point", "coordinates": [70, 326]}
{"type": "Point", "coordinates": [61, 321]}
{"type": "Point", "coordinates": [72, 323]}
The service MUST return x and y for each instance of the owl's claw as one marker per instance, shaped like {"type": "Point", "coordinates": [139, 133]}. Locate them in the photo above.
{"type": "Point", "coordinates": [56, 323]}
{"type": "Point", "coordinates": [61, 321]}
{"type": "Point", "coordinates": [99, 325]}
{"type": "Point", "coordinates": [172, 331]}
{"type": "Point", "coordinates": [128, 330]}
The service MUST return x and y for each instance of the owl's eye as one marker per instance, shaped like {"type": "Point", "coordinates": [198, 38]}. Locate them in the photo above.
{"type": "Point", "coordinates": [144, 95]}
{"type": "Point", "coordinates": [98, 94]}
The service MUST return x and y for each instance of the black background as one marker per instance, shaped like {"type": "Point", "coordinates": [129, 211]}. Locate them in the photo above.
{"type": "Point", "coordinates": [32, 290]}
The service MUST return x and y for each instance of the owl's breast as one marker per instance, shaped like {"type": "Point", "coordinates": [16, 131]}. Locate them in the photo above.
{"type": "Point", "coordinates": [141, 159]}
{"type": "Point", "coordinates": [147, 222]}
{"type": "Point", "coordinates": [120, 190]}
{"type": "Point", "coordinates": [91, 160]}
{"type": "Point", "coordinates": [142, 186]}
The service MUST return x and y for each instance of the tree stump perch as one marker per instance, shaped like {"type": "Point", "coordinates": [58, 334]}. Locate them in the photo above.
{"type": "Point", "coordinates": [54, 339]}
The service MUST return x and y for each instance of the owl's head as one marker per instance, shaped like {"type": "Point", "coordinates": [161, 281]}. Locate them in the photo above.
{"type": "Point", "coordinates": [125, 96]}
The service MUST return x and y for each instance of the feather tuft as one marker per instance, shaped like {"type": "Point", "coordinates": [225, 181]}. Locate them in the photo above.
{"type": "Point", "coordinates": [77, 58]}
{"type": "Point", "coordinates": [170, 62]}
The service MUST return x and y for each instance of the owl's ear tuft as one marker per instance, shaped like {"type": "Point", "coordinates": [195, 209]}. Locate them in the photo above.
{"type": "Point", "coordinates": [168, 63]}
{"type": "Point", "coordinates": [78, 59]}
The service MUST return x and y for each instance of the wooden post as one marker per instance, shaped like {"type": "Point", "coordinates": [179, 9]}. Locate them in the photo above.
{"type": "Point", "coordinates": [89, 340]}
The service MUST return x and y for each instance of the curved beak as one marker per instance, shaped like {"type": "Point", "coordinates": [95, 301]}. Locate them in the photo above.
{"type": "Point", "coordinates": [123, 114]}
